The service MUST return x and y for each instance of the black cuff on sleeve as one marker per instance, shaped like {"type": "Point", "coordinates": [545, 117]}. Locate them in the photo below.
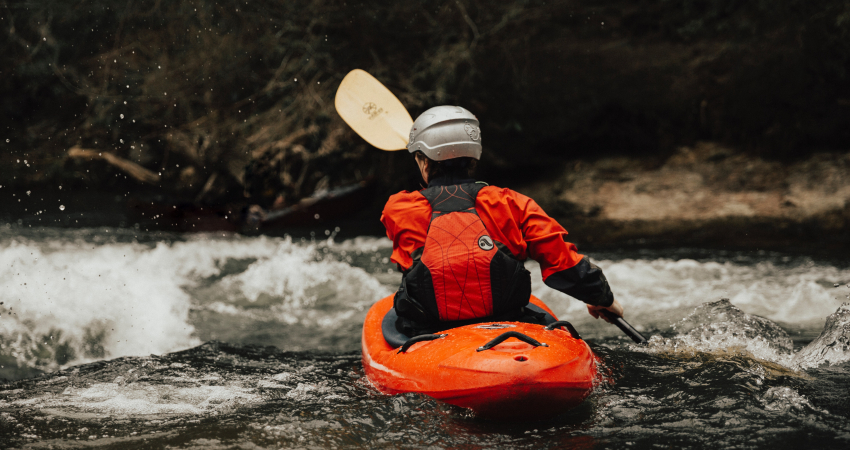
{"type": "Point", "coordinates": [584, 281]}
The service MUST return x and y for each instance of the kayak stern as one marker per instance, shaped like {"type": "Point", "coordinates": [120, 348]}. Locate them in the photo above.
{"type": "Point", "coordinates": [540, 374]}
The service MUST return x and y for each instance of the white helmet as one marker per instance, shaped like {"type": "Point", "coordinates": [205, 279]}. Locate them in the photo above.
{"type": "Point", "coordinates": [446, 132]}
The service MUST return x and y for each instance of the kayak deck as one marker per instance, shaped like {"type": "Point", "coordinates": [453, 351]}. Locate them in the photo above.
{"type": "Point", "coordinates": [533, 373]}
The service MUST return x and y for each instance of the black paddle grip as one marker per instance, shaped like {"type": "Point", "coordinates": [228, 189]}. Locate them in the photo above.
{"type": "Point", "coordinates": [625, 327]}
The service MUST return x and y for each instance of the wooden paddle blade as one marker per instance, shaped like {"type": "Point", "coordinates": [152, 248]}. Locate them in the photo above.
{"type": "Point", "coordinates": [372, 111]}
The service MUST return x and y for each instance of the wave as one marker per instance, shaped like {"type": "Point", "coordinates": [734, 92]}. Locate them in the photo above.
{"type": "Point", "coordinates": [71, 296]}
{"type": "Point", "coordinates": [657, 292]}
{"type": "Point", "coordinates": [71, 301]}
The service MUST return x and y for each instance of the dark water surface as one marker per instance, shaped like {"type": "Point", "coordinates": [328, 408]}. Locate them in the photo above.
{"type": "Point", "coordinates": [111, 338]}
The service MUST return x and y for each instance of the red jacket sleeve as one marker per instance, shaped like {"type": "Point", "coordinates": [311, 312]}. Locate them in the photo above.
{"type": "Point", "coordinates": [529, 231]}
{"type": "Point", "coordinates": [405, 216]}
{"type": "Point", "coordinates": [526, 229]}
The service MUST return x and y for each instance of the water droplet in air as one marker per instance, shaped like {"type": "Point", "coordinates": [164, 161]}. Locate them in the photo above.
{"type": "Point", "coordinates": [61, 207]}
{"type": "Point", "coordinates": [28, 192]}
{"type": "Point", "coordinates": [7, 140]}
{"type": "Point", "coordinates": [122, 116]}
{"type": "Point", "coordinates": [316, 216]}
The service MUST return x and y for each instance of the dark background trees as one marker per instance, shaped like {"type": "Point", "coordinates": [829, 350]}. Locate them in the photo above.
{"type": "Point", "coordinates": [234, 99]}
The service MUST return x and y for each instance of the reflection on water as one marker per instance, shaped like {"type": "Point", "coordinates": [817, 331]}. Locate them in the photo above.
{"type": "Point", "coordinates": [93, 307]}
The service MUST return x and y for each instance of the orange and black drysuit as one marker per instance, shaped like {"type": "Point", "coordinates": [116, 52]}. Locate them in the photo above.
{"type": "Point", "coordinates": [517, 226]}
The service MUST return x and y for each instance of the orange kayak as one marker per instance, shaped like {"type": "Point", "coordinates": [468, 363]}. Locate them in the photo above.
{"type": "Point", "coordinates": [500, 370]}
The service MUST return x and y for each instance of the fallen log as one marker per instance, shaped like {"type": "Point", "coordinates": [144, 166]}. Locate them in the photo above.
{"type": "Point", "coordinates": [132, 169]}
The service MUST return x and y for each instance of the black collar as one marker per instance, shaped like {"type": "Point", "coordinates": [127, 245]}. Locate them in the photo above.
{"type": "Point", "coordinates": [448, 180]}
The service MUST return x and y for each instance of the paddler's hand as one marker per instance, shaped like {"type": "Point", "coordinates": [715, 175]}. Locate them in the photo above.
{"type": "Point", "coordinates": [615, 308]}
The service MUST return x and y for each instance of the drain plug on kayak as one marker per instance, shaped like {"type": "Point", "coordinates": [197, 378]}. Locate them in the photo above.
{"type": "Point", "coordinates": [520, 358]}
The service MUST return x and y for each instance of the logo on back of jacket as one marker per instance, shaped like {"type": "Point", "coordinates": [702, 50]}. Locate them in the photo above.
{"type": "Point", "coordinates": [485, 243]}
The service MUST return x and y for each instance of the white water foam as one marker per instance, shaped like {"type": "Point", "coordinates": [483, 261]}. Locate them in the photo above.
{"type": "Point", "coordinates": [296, 287]}
{"type": "Point", "coordinates": [73, 301]}
{"type": "Point", "coordinates": [88, 301]}
{"type": "Point", "coordinates": [652, 289]}
{"type": "Point", "coordinates": [187, 395]}
{"type": "Point", "coordinates": [67, 300]}
{"type": "Point", "coordinates": [784, 399]}
{"type": "Point", "coordinates": [658, 293]}
{"type": "Point", "coordinates": [833, 344]}
{"type": "Point", "coordinates": [724, 330]}
{"type": "Point", "coordinates": [147, 399]}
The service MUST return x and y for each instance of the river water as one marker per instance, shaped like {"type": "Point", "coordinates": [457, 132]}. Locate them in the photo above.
{"type": "Point", "coordinates": [119, 338]}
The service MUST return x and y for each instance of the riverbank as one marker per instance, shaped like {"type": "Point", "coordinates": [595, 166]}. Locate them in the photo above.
{"type": "Point", "coordinates": [705, 195]}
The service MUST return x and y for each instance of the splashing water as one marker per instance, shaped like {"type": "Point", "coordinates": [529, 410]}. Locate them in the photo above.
{"type": "Point", "coordinates": [74, 301]}
{"type": "Point", "coordinates": [658, 291]}
{"type": "Point", "coordinates": [721, 325]}
{"type": "Point", "coordinates": [786, 399]}
{"type": "Point", "coordinates": [70, 302]}
{"type": "Point", "coordinates": [833, 344]}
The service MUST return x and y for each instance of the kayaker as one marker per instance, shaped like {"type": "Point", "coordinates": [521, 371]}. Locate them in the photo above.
{"type": "Point", "coordinates": [460, 244]}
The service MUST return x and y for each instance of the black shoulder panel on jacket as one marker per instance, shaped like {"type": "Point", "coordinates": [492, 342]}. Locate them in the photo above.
{"type": "Point", "coordinates": [459, 197]}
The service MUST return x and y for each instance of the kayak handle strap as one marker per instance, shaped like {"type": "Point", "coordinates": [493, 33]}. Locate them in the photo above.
{"type": "Point", "coordinates": [420, 338]}
{"type": "Point", "coordinates": [565, 324]}
{"type": "Point", "coordinates": [510, 334]}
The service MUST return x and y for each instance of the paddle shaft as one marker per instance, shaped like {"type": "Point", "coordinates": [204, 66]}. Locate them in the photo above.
{"type": "Point", "coordinates": [625, 327]}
